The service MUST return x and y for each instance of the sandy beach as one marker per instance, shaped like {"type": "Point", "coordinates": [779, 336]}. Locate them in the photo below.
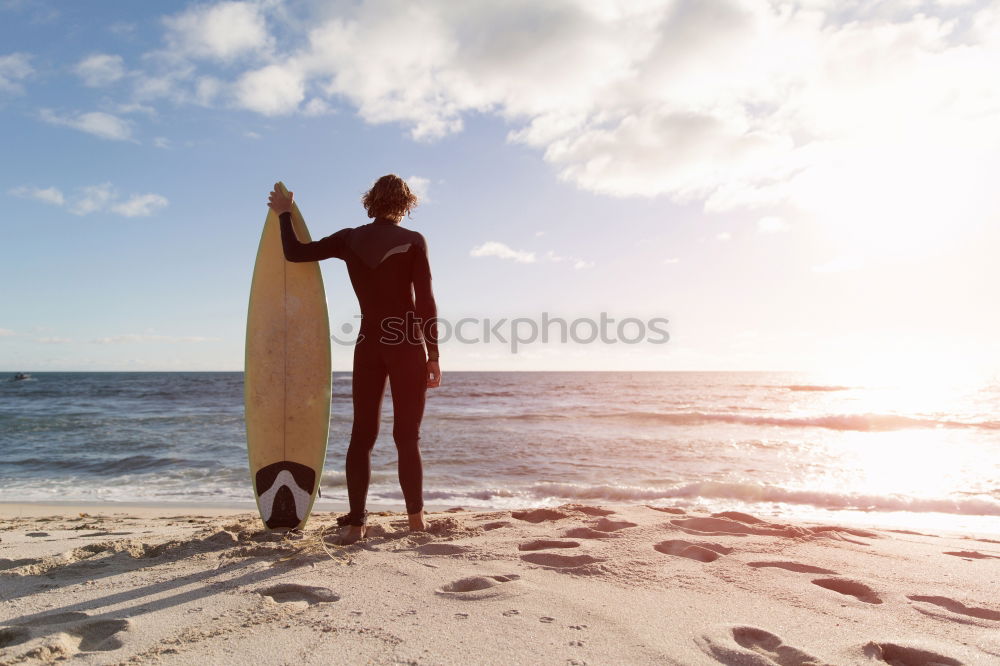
{"type": "Point", "coordinates": [576, 584]}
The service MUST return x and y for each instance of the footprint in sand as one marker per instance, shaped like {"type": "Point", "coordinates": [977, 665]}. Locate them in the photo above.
{"type": "Point", "coordinates": [734, 523]}
{"type": "Point", "coordinates": [701, 551]}
{"type": "Point", "coordinates": [69, 636]}
{"type": "Point", "coordinates": [589, 510]}
{"type": "Point", "coordinates": [958, 607]}
{"type": "Point", "coordinates": [793, 566]}
{"type": "Point", "coordinates": [902, 655]}
{"type": "Point", "coordinates": [752, 646]}
{"type": "Point", "coordinates": [606, 525]}
{"type": "Point", "coordinates": [728, 527]}
{"type": "Point", "coordinates": [558, 561]}
{"type": "Point", "coordinates": [99, 635]}
{"type": "Point", "coordinates": [972, 555]}
{"type": "Point", "coordinates": [10, 636]}
{"type": "Point", "coordinates": [480, 587]}
{"type": "Point", "coordinates": [497, 524]}
{"type": "Point", "coordinates": [542, 544]}
{"type": "Point", "coordinates": [667, 509]}
{"type": "Point", "coordinates": [15, 564]}
{"type": "Point", "coordinates": [982, 540]}
{"type": "Point", "coordinates": [539, 515]}
{"type": "Point", "coordinates": [441, 549]}
{"type": "Point", "coordinates": [67, 640]}
{"type": "Point", "coordinates": [284, 593]}
{"type": "Point", "coordinates": [852, 588]}
{"type": "Point", "coordinates": [739, 516]}
{"type": "Point", "coordinates": [588, 533]}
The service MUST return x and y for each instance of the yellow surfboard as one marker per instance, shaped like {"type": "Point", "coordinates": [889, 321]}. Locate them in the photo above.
{"type": "Point", "coordinates": [287, 379]}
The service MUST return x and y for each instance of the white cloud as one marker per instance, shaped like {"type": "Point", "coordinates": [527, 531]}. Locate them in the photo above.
{"type": "Point", "coordinates": [735, 104]}
{"type": "Point", "coordinates": [251, 135]}
{"type": "Point", "coordinates": [878, 119]}
{"type": "Point", "coordinates": [161, 142]}
{"type": "Point", "coordinates": [140, 205]}
{"type": "Point", "coordinates": [421, 187]}
{"type": "Point", "coordinates": [223, 31]}
{"type": "Point", "coordinates": [207, 90]}
{"type": "Point", "coordinates": [771, 225]}
{"type": "Point", "coordinates": [96, 198]}
{"type": "Point", "coordinates": [136, 107]}
{"type": "Point", "coordinates": [14, 68]}
{"type": "Point", "coordinates": [577, 262]}
{"type": "Point", "coordinates": [503, 251]}
{"type": "Point", "coordinates": [92, 198]}
{"type": "Point", "coordinates": [317, 107]}
{"type": "Point", "coordinates": [48, 195]}
{"type": "Point", "coordinates": [100, 69]}
{"type": "Point", "coordinates": [122, 28]}
{"type": "Point", "coordinates": [671, 260]}
{"type": "Point", "coordinates": [272, 90]}
{"type": "Point", "coordinates": [724, 236]}
{"type": "Point", "coordinates": [53, 340]}
{"type": "Point", "coordinates": [4, 332]}
{"type": "Point", "coordinates": [98, 123]}
{"type": "Point", "coordinates": [32, 11]}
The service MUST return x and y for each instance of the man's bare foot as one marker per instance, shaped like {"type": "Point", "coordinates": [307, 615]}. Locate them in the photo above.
{"type": "Point", "coordinates": [351, 533]}
{"type": "Point", "coordinates": [417, 523]}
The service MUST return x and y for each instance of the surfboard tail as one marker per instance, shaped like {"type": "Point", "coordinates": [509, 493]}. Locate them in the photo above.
{"type": "Point", "coordinates": [285, 492]}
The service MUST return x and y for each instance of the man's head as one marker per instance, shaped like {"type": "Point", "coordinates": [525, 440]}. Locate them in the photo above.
{"type": "Point", "coordinates": [390, 197]}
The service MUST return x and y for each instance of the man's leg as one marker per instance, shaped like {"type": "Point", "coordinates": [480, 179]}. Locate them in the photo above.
{"type": "Point", "coordinates": [408, 380]}
{"type": "Point", "coordinates": [367, 388]}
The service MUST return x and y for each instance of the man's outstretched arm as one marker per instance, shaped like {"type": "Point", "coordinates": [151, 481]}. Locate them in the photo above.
{"type": "Point", "coordinates": [331, 246]}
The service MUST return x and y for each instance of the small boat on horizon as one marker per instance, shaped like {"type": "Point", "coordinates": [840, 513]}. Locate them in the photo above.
{"type": "Point", "coordinates": [21, 376]}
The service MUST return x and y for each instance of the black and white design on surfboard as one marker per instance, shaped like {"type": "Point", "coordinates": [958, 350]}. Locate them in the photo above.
{"type": "Point", "coordinates": [284, 493]}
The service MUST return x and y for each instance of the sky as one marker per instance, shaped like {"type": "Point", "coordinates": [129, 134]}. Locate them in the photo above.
{"type": "Point", "coordinates": [803, 185]}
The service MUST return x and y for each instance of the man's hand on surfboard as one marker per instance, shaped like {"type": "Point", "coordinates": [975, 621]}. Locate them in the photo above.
{"type": "Point", "coordinates": [433, 374]}
{"type": "Point", "coordinates": [279, 202]}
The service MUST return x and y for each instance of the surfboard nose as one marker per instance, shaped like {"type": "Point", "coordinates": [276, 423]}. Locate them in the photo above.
{"type": "Point", "coordinates": [284, 493]}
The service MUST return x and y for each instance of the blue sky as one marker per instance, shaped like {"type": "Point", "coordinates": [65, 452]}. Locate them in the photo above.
{"type": "Point", "coordinates": [794, 186]}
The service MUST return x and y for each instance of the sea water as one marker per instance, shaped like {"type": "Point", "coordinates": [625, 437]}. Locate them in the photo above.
{"type": "Point", "coordinates": [777, 445]}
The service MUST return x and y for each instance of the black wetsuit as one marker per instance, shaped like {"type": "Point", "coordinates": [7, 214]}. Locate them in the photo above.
{"type": "Point", "coordinates": [391, 276]}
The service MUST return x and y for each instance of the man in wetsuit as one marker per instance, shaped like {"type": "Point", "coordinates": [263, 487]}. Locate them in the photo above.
{"type": "Point", "coordinates": [391, 275]}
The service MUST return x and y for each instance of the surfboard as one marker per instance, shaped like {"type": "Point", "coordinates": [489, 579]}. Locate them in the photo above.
{"type": "Point", "coordinates": [287, 379]}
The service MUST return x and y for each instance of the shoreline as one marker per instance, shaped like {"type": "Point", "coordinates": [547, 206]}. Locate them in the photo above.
{"type": "Point", "coordinates": [43, 508]}
{"type": "Point", "coordinates": [900, 521]}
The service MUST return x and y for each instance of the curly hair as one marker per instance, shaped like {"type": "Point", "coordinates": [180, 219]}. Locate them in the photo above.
{"type": "Point", "coordinates": [390, 196]}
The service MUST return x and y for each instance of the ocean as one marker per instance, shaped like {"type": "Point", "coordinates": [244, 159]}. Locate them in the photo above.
{"type": "Point", "coordinates": [776, 445]}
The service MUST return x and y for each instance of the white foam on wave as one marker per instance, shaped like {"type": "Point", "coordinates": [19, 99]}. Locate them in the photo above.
{"type": "Point", "coordinates": [709, 490]}
{"type": "Point", "coordinates": [867, 422]}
